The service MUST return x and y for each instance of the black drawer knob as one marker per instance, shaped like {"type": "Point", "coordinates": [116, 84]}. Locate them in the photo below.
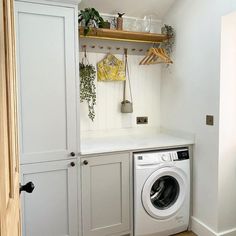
{"type": "Point", "coordinates": [72, 154]}
{"type": "Point", "coordinates": [72, 164]}
{"type": "Point", "coordinates": [85, 162]}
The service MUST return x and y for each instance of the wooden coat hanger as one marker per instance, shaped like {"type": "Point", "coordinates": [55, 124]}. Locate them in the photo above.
{"type": "Point", "coordinates": [156, 56]}
{"type": "Point", "coordinates": [148, 54]}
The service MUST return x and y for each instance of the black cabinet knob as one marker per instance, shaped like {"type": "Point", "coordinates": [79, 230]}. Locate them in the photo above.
{"type": "Point", "coordinates": [85, 162]}
{"type": "Point", "coordinates": [29, 187]}
{"type": "Point", "coordinates": [72, 154]}
{"type": "Point", "coordinates": [72, 164]}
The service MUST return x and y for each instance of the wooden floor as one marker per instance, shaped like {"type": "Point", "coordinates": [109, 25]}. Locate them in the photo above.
{"type": "Point", "coordinates": [186, 234]}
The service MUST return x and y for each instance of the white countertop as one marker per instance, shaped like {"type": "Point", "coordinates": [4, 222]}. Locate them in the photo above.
{"type": "Point", "coordinates": [131, 142]}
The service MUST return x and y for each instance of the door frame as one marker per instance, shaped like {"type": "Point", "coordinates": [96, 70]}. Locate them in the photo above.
{"type": "Point", "coordinates": [10, 223]}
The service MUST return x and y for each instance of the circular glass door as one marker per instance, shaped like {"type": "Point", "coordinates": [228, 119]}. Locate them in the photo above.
{"type": "Point", "coordinates": [164, 192]}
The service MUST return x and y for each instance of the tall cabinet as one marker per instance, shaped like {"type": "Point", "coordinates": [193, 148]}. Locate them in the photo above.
{"type": "Point", "coordinates": [47, 73]}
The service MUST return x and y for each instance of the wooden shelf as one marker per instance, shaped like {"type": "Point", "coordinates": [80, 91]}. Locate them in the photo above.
{"type": "Point", "coordinates": [121, 35]}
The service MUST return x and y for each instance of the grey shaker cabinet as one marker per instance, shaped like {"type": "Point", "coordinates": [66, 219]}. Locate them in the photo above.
{"type": "Point", "coordinates": [106, 195]}
{"type": "Point", "coordinates": [51, 210]}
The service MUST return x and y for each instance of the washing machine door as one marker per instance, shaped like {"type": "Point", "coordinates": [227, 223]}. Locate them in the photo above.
{"type": "Point", "coordinates": [164, 192]}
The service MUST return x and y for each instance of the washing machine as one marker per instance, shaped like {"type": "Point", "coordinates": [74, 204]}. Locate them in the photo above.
{"type": "Point", "coordinates": [161, 192]}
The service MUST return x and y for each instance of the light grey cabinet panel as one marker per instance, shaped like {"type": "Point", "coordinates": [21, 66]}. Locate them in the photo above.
{"type": "Point", "coordinates": [51, 210]}
{"type": "Point", "coordinates": [46, 73]}
{"type": "Point", "coordinates": [106, 195]}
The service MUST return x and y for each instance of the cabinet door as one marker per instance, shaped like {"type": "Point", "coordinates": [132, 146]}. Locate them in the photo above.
{"type": "Point", "coordinates": [106, 195]}
{"type": "Point", "coordinates": [46, 81]}
{"type": "Point", "coordinates": [51, 210]}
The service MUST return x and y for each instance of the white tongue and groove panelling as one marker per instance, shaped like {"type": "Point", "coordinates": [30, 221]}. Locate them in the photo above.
{"type": "Point", "coordinates": [145, 82]}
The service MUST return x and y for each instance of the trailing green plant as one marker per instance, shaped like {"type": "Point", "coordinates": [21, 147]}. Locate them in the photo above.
{"type": "Point", "coordinates": [168, 44]}
{"type": "Point", "coordinates": [88, 87]}
{"type": "Point", "coordinates": [91, 18]}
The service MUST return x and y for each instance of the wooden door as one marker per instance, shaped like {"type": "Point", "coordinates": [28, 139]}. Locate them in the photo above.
{"type": "Point", "coordinates": [52, 208]}
{"type": "Point", "coordinates": [106, 195]}
{"type": "Point", "coordinates": [9, 165]}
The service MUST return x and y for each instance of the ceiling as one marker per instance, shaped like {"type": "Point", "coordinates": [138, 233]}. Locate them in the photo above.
{"type": "Point", "coordinates": [156, 8]}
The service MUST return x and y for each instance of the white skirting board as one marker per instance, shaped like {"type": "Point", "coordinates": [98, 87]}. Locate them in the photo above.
{"type": "Point", "coordinates": [201, 229]}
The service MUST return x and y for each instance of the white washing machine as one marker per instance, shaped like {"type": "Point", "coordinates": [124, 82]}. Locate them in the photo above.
{"type": "Point", "coordinates": [161, 192]}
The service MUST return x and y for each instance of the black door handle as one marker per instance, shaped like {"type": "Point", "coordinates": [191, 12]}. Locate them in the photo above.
{"type": "Point", "coordinates": [29, 187]}
{"type": "Point", "coordinates": [72, 154]}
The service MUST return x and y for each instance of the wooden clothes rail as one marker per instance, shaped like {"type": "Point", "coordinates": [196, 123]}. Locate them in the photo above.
{"type": "Point", "coordinates": [114, 48]}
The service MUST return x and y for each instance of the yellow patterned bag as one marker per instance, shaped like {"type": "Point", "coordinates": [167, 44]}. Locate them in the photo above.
{"type": "Point", "coordinates": [111, 69]}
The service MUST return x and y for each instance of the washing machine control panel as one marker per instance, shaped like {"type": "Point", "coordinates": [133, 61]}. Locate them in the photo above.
{"type": "Point", "coordinates": [160, 157]}
{"type": "Point", "coordinates": [177, 155]}
{"type": "Point", "coordinates": [166, 157]}
{"type": "Point", "coordinates": [183, 155]}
